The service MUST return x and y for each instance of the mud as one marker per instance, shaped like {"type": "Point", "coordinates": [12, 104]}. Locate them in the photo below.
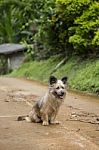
{"type": "Point", "coordinates": [79, 115]}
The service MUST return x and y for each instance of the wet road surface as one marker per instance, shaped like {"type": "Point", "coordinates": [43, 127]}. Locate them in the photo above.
{"type": "Point", "coordinates": [79, 114]}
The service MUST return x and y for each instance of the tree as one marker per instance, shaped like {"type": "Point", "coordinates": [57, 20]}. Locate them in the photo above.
{"type": "Point", "coordinates": [10, 20]}
{"type": "Point", "coordinates": [86, 30]}
{"type": "Point", "coordinates": [53, 27]}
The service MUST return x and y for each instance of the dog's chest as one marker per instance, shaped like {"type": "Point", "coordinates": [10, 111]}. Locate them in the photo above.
{"type": "Point", "coordinates": [53, 104]}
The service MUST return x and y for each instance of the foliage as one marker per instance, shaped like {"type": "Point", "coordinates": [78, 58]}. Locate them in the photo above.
{"type": "Point", "coordinates": [10, 21]}
{"type": "Point", "coordinates": [53, 27]}
{"type": "Point", "coordinates": [27, 21]}
{"type": "Point", "coordinates": [79, 25]}
{"type": "Point", "coordinates": [3, 65]}
{"type": "Point", "coordinates": [86, 30]}
{"type": "Point", "coordinates": [66, 12]}
{"type": "Point", "coordinates": [17, 19]}
{"type": "Point", "coordinates": [44, 41]}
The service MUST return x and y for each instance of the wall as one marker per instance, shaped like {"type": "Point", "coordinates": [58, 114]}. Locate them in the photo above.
{"type": "Point", "coordinates": [15, 59]}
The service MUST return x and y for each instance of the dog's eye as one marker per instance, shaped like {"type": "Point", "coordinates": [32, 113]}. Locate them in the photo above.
{"type": "Point", "coordinates": [62, 87]}
{"type": "Point", "coordinates": [57, 88]}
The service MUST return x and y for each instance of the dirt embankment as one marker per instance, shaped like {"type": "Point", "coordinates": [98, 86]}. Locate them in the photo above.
{"type": "Point", "coordinates": [79, 115]}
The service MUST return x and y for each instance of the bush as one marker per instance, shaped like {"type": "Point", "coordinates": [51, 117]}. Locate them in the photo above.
{"type": "Point", "coordinates": [86, 33]}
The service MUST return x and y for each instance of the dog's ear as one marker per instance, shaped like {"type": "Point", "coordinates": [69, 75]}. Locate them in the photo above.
{"type": "Point", "coordinates": [64, 80]}
{"type": "Point", "coordinates": [52, 80]}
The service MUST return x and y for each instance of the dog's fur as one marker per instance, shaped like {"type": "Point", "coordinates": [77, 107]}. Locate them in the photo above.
{"type": "Point", "coordinates": [46, 109]}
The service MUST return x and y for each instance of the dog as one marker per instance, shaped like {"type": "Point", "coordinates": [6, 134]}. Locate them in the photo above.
{"type": "Point", "coordinates": [46, 109]}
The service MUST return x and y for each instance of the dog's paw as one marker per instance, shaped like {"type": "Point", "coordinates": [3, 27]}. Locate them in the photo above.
{"type": "Point", "coordinates": [45, 123]}
{"type": "Point", "coordinates": [28, 119]}
{"type": "Point", "coordinates": [55, 122]}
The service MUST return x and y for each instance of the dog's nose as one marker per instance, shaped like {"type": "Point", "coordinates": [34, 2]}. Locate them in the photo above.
{"type": "Point", "coordinates": [62, 93]}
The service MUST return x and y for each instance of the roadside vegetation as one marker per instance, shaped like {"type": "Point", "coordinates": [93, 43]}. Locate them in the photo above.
{"type": "Point", "coordinates": [55, 31]}
{"type": "Point", "coordinates": [82, 75]}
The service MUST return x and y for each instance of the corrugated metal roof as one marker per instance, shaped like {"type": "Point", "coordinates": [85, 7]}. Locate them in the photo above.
{"type": "Point", "coordinates": [10, 48]}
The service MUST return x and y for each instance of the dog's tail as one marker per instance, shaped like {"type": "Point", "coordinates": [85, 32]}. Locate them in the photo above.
{"type": "Point", "coordinates": [21, 118]}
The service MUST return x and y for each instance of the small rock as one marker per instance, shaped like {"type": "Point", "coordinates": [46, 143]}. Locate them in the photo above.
{"type": "Point", "coordinates": [7, 100]}
{"type": "Point", "coordinates": [97, 129]}
{"type": "Point", "coordinates": [97, 119]}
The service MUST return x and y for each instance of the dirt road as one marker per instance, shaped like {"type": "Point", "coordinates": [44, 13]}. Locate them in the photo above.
{"type": "Point", "coordinates": [79, 116]}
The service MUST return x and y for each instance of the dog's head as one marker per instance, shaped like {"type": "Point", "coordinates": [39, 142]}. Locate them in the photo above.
{"type": "Point", "coordinates": [58, 87]}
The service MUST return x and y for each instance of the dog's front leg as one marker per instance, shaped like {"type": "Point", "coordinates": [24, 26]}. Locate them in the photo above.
{"type": "Point", "coordinates": [53, 121]}
{"type": "Point", "coordinates": [45, 120]}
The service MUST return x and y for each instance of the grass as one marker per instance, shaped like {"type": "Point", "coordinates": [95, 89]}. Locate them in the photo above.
{"type": "Point", "coordinates": [35, 70]}
{"type": "Point", "coordinates": [83, 75]}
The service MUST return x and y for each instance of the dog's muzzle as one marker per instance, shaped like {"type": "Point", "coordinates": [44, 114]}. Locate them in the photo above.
{"type": "Point", "coordinates": [60, 95]}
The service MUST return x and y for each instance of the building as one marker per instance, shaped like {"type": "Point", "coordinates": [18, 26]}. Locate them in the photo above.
{"type": "Point", "coordinates": [11, 56]}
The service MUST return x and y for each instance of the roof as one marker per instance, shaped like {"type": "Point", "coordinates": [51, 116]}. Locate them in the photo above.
{"type": "Point", "coordinates": [11, 48]}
